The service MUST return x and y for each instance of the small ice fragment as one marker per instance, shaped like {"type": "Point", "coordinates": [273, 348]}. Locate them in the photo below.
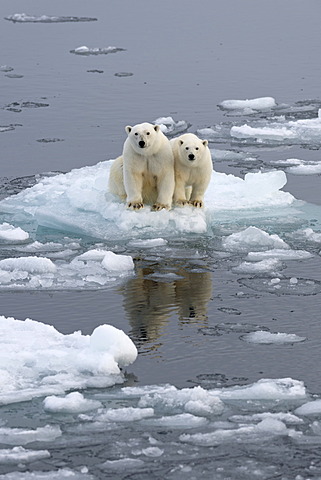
{"type": "Point", "coordinates": [119, 263]}
{"type": "Point", "coordinates": [261, 103]}
{"type": "Point", "coordinates": [74, 402]}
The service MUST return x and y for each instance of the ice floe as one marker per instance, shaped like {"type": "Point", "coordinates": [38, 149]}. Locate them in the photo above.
{"type": "Point", "coordinates": [279, 253]}
{"type": "Point", "coordinates": [78, 202]}
{"type": "Point", "coordinates": [253, 238]}
{"type": "Point", "coordinates": [84, 50]}
{"type": "Point", "coordinates": [36, 360]}
{"type": "Point", "coordinates": [268, 265]}
{"type": "Point", "coordinates": [262, 337]}
{"type": "Point", "coordinates": [74, 402]}
{"type": "Point", "coordinates": [23, 436]}
{"type": "Point", "coordinates": [18, 455]}
{"type": "Point", "coordinates": [248, 106]}
{"type": "Point", "coordinates": [24, 18]}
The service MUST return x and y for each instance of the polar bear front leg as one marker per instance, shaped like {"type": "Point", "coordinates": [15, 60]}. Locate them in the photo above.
{"type": "Point", "coordinates": [197, 196]}
{"type": "Point", "coordinates": [165, 189]}
{"type": "Point", "coordinates": [134, 187]}
{"type": "Point", "coordinates": [181, 193]}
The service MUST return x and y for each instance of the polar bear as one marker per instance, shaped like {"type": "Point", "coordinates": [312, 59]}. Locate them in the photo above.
{"type": "Point", "coordinates": [144, 173]}
{"type": "Point", "coordinates": [193, 169]}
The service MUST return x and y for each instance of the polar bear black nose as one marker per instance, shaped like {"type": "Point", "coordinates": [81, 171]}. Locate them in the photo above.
{"type": "Point", "coordinates": [191, 156]}
{"type": "Point", "coordinates": [141, 143]}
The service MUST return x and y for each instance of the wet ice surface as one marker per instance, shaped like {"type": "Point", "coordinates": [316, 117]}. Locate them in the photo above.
{"type": "Point", "coordinates": [222, 304]}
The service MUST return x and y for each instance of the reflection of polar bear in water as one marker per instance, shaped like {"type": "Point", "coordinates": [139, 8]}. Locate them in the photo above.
{"type": "Point", "coordinates": [193, 169]}
{"type": "Point", "coordinates": [145, 171]}
{"type": "Point", "coordinates": [149, 303]}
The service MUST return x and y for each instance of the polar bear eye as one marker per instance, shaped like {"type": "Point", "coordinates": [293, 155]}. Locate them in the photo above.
{"type": "Point", "coordinates": [186, 148]}
{"type": "Point", "coordinates": [196, 148]}
{"type": "Point", "coordinates": [147, 133]}
{"type": "Point", "coordinates": [136, 134]}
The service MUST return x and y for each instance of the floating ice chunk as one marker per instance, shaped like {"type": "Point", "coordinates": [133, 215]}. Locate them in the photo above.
{"type": "Point", "coordinates": [152, 452]}
{"type": "Point", "coordinates": [269, 338]}
{"type": "Point", "coordinates": [196, 401]}
{"type": "Point", "coordinates": [118, 263]}
{"type": "Point", "coordinates": [36, 360]}
{"type": "Point", "coordinates": [309, 408]}
{"type": "Point", "coordinates": [309, 234]}
{"type": "Point", "coordinates": [253, 238]}
{"type": "Point", "coordinates": [181, 420]}
{"type": "Point", "coordinates": [60, 474]}
{"type": "Point", "coordinates": [74, 402]}
{"type": "Point", "coordinates": [126, 414]}
{"type": "Point", "coordinates": [24, 18]}
{"type": "Point", "coordinates": [28, 264]}
{"type": "Point", "coordinates": [148, 243]}
{"type": "Point", "coordinates": [266, 389]}
{"type": "Point", "coordinates": [287, 418]}
{"type": "Point", "coordinates": [279, 253]}
{"type": "Point", "coordinates": [228, 155]}
{"type": "Point", "coordinates": [107, 338]}
{"type": "Point", "coordinates": [18, 455]}
{"type": "Point", "coordinates": [84, 50]}
{"type": "Point", "coordinates": [306, 168]}
{"type": "Point", "coordinates": [263, 133]}
{"type": "Point", "coordinates": [21, 436]}
{"type": "Point", "coordinates": [266, 429]}
{"type": "Point", "coordinates": [12, 234]}
{"type": "Point", "coordinates": [264, 266]}
{"type": "Point", "coordinates": [262, 103]}
{"type": "Point", "coordinates": [170, 127]}
{"type": "Point", "coordinates": [124, 464]}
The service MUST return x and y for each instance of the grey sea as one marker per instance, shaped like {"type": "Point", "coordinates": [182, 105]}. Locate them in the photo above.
{"type": "Point", "coordinates": [222, 303]}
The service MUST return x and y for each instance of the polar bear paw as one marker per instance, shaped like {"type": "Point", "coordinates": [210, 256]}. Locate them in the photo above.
{"type": "Point", "coordinates": [181, 203]}
{"type": "Point", "coordinates": [159, 206]}
{"type": "Point", "coordinates": [135, 205]}
{"type": "Point", "coordinates": [196, 203]}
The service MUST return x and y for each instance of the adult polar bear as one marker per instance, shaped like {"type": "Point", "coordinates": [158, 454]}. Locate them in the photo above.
{"type": "Point", "coordinates": [145, 171]}
{"type": "Point", "coordinates": [193, 169]}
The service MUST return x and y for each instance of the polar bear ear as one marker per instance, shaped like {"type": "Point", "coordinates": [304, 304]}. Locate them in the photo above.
{"type": "Point", "coordinates": [205, 143]}
{"type": "Point", "coordinates": [181, 142]}
{"type": "Point", "coordinates": [128, 129]}
{"type": "Point", "coordinates": [156, 128]}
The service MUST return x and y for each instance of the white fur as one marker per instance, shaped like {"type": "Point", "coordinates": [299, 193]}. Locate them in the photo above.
{"type": "Point", "coordinates": [193, 169]}
{"type": "Point", "coordinates": [145, 171]}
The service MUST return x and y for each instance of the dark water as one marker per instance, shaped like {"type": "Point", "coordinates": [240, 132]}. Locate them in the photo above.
{"type": "Point", "coordinates": [66, 111]}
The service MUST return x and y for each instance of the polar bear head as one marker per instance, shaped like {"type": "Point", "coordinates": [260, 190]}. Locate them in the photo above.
{"type": "Point", "coordinates": [144, 137]}
{"type": "Point", "coordinates": [191, 148]}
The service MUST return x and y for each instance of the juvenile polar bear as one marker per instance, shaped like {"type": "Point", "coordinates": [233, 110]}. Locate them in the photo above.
{"type": "Point", "coordinates": [145, 171]}
{"type": "Point", "coordinates": [193, 169]}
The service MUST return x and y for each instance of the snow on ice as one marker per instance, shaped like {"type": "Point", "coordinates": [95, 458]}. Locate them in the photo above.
{"type": "Point", "coordinates": [9, 233]}
{"type": "Point", "coordinates": [36, 360]}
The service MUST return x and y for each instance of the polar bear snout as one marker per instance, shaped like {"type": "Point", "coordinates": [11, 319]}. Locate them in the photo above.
{"type": "Point", "coordinates": [191, 156]}
{"type": "Point", "coordinates": [142, 143]}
